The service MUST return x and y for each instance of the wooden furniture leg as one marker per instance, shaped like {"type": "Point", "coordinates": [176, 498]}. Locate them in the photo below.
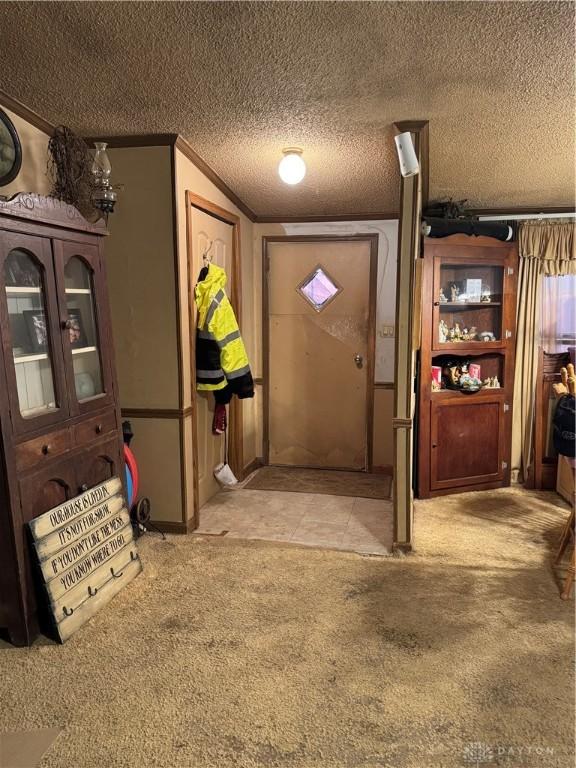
{"type": "Point", "coordinates": [569, 580]}
{"type": "Point", "coordinates": [568, 538]}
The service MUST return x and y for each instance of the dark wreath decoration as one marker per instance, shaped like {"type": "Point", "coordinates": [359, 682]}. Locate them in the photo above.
{"type": "Point", "coordinates": [69, 167]}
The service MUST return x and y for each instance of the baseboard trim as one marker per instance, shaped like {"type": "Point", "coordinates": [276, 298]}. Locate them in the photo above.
{"type": "Point", "coordinates": [402, 546]}
{"type": "Point", "coordinates": [253, 466]}
{"type": "Point", "coordinates": [169, 526]}
{"type": "Point", "coordinates": [384, 469]}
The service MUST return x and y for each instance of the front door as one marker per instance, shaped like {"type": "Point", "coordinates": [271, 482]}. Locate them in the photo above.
{"type": "Point", "coordinates": [320, 327]}
{"type": "Point", "coordinates": [211, 236]}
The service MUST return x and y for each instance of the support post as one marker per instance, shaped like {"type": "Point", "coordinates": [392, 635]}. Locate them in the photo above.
{"type": "Point", "coordinates": [413, 194]}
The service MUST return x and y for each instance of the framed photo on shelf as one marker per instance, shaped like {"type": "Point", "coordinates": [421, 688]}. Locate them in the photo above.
{"type": "Point", "coordinates": [77, 333]}
{"type": "Point", "coordinates": [35, 320]}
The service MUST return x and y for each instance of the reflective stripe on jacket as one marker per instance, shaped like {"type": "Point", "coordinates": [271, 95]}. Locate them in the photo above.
{"type": "Point", "coordinates": [221, 359]}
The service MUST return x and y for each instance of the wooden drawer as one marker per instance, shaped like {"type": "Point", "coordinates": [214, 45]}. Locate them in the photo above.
{"type": "Point", "coordinates": [33, 453]}
{"type": "Point", "coordinates": [96, 426]}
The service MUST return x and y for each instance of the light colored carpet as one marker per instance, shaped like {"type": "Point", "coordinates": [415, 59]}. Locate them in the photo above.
{"type": "Point", "coordinates": [229, 653]}
{"type": "Point", "coordinates": [327, 481]}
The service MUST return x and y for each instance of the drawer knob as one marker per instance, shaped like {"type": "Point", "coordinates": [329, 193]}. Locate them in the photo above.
{"type": "Point", "coordinates": [83, 488]}
{"type": "Point", "coordinates": [98, 428]}
{"type": "Point", "coordinates": [45, 449]}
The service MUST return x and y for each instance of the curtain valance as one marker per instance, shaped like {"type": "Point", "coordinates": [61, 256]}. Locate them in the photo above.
{"type": "Point", "coordinates": [551, 242]}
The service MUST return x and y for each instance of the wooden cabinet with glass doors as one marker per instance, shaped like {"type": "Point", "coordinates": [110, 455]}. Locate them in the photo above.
{"type": "Point", "coordinates": [466, 364]}
{"type": "Point", "coordinates": [60, 422]}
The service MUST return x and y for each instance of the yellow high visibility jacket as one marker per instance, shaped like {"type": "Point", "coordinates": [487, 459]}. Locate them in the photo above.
{"type": "Point", "coordinates": [222, 364]}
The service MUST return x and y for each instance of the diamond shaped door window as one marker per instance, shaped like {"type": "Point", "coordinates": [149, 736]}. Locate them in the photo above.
{"type": "Point", "coordinates": [319, 289]}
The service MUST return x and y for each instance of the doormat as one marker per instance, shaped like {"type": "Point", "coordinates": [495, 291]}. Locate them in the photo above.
{"type": "Point", "coordinates": [326, 481]}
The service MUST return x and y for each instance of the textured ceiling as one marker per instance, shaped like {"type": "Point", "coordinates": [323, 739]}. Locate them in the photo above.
{"type": "Point", "coordinates": [240, 81]}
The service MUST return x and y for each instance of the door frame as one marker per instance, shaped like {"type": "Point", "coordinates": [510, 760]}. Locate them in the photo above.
{"type": "Point", "coordinates": [372, 299]}
{"type": "Point", "coordinates": [235, 444]}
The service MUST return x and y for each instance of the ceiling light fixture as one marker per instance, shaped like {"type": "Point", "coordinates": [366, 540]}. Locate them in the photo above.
{"type": "Point", "coordinates": [292, 168]}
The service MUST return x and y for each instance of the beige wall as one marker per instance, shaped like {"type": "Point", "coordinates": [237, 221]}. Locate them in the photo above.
{"type": "Point", "coordinates": [32, 176]}
{"type": "Point", "coordinates": [142, 290]}
{"type": "Point", "coordinates": [387, 231]}
{"type": "Point", "coordinates": [156, 445]}
{"type": "Point", "coordinates": [142, 285]}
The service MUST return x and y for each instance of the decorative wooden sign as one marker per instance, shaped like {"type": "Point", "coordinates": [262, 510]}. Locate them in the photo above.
{"type": "Point", "coordinates": [86, 553]}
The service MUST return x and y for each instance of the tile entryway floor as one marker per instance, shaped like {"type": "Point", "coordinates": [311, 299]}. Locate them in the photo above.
{"type": "Point", "coordinates": [330, 522]}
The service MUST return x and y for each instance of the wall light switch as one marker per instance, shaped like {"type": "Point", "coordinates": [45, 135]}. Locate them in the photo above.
{"type": "Point", "coordinates": [386, 332]}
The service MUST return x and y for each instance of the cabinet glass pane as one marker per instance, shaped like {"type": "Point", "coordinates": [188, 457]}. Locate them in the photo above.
{"type": "Point", "coordinates": [83, 331]}
{"type": "Point", "coordinates": [470, 302]}
{"type": "Point", "coordinates": [29, 334]}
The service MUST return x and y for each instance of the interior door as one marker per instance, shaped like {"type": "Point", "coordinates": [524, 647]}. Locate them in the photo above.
{"type": "Point", "coordinates": [214, 237]}
{"type": "Point", "coordinates": [30, 334]}
{"type": "Point", "coordinates": [83, 312]}
{"type": "Point", "coordinates": [320, 351]}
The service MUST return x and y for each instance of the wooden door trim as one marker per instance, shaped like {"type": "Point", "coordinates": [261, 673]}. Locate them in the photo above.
{"type": "Point", "coordinates": [235, 438]}
{"type": "Point", "coordinates": [371, 238]}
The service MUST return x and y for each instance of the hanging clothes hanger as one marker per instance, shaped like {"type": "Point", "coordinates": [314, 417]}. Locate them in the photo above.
{"type": "Point", "coordinates": [206, 261]}
{"type": "Point", "coordinates": [206, 258]}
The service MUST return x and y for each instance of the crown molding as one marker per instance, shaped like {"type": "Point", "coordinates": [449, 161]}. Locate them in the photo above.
{"type": "Point", "coordinates": [15, 106]}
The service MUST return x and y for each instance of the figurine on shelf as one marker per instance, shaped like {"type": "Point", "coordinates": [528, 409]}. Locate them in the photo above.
{"type": "Point", "coordinates": [470, 383]}
{"type": "Point", "coordinates": [457, 332]}
{"type": "Point", "coordinates": [492, 382]}
{"type": "Point", "coordinates": [486, 296]}
{"type": "Point", "coordinates": [486, 336]}
{"type": "Point", "coordinates": [442, 297]}
{"type": "Point", "coordinates": [443, 332]}
{"type": "Point", "coordinates": [451, 375]}
{"type": "Point", "coordinates": [454, 291]}
{"type": "Point", "coordinates": [469, 334]}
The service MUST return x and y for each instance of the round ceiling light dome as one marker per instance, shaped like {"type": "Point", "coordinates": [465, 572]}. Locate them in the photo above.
{"type": "Point", "coordinates": [292, 168]}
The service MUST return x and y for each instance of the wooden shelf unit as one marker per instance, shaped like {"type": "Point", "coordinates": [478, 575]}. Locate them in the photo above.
{"type": "Point", "coordinates": [463, 439]}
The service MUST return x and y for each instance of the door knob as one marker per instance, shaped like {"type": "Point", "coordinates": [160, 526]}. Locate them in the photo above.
{"type": "Point", "coordinates": [359, 360]}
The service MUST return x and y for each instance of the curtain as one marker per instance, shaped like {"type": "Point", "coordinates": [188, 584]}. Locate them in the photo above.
{"type": "Point", "coordinates": [545, 247]}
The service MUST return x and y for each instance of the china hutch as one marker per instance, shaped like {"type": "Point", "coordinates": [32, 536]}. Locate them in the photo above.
{"type": "Point", "coordinates": [466, 372]}
{"type": "Point", "coordinates": [59, 416]}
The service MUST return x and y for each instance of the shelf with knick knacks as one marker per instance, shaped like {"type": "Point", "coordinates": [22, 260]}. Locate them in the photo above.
{"type": "Point", "coordinates": [451, 373]}
{"type": "Point", "coordinates": [469, 305]}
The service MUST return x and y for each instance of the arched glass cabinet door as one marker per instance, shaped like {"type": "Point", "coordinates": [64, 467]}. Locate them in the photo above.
{"type": "Point", "coordinates": [29, 322]}
{"type": "Point", "coordinates": [85, 346]}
